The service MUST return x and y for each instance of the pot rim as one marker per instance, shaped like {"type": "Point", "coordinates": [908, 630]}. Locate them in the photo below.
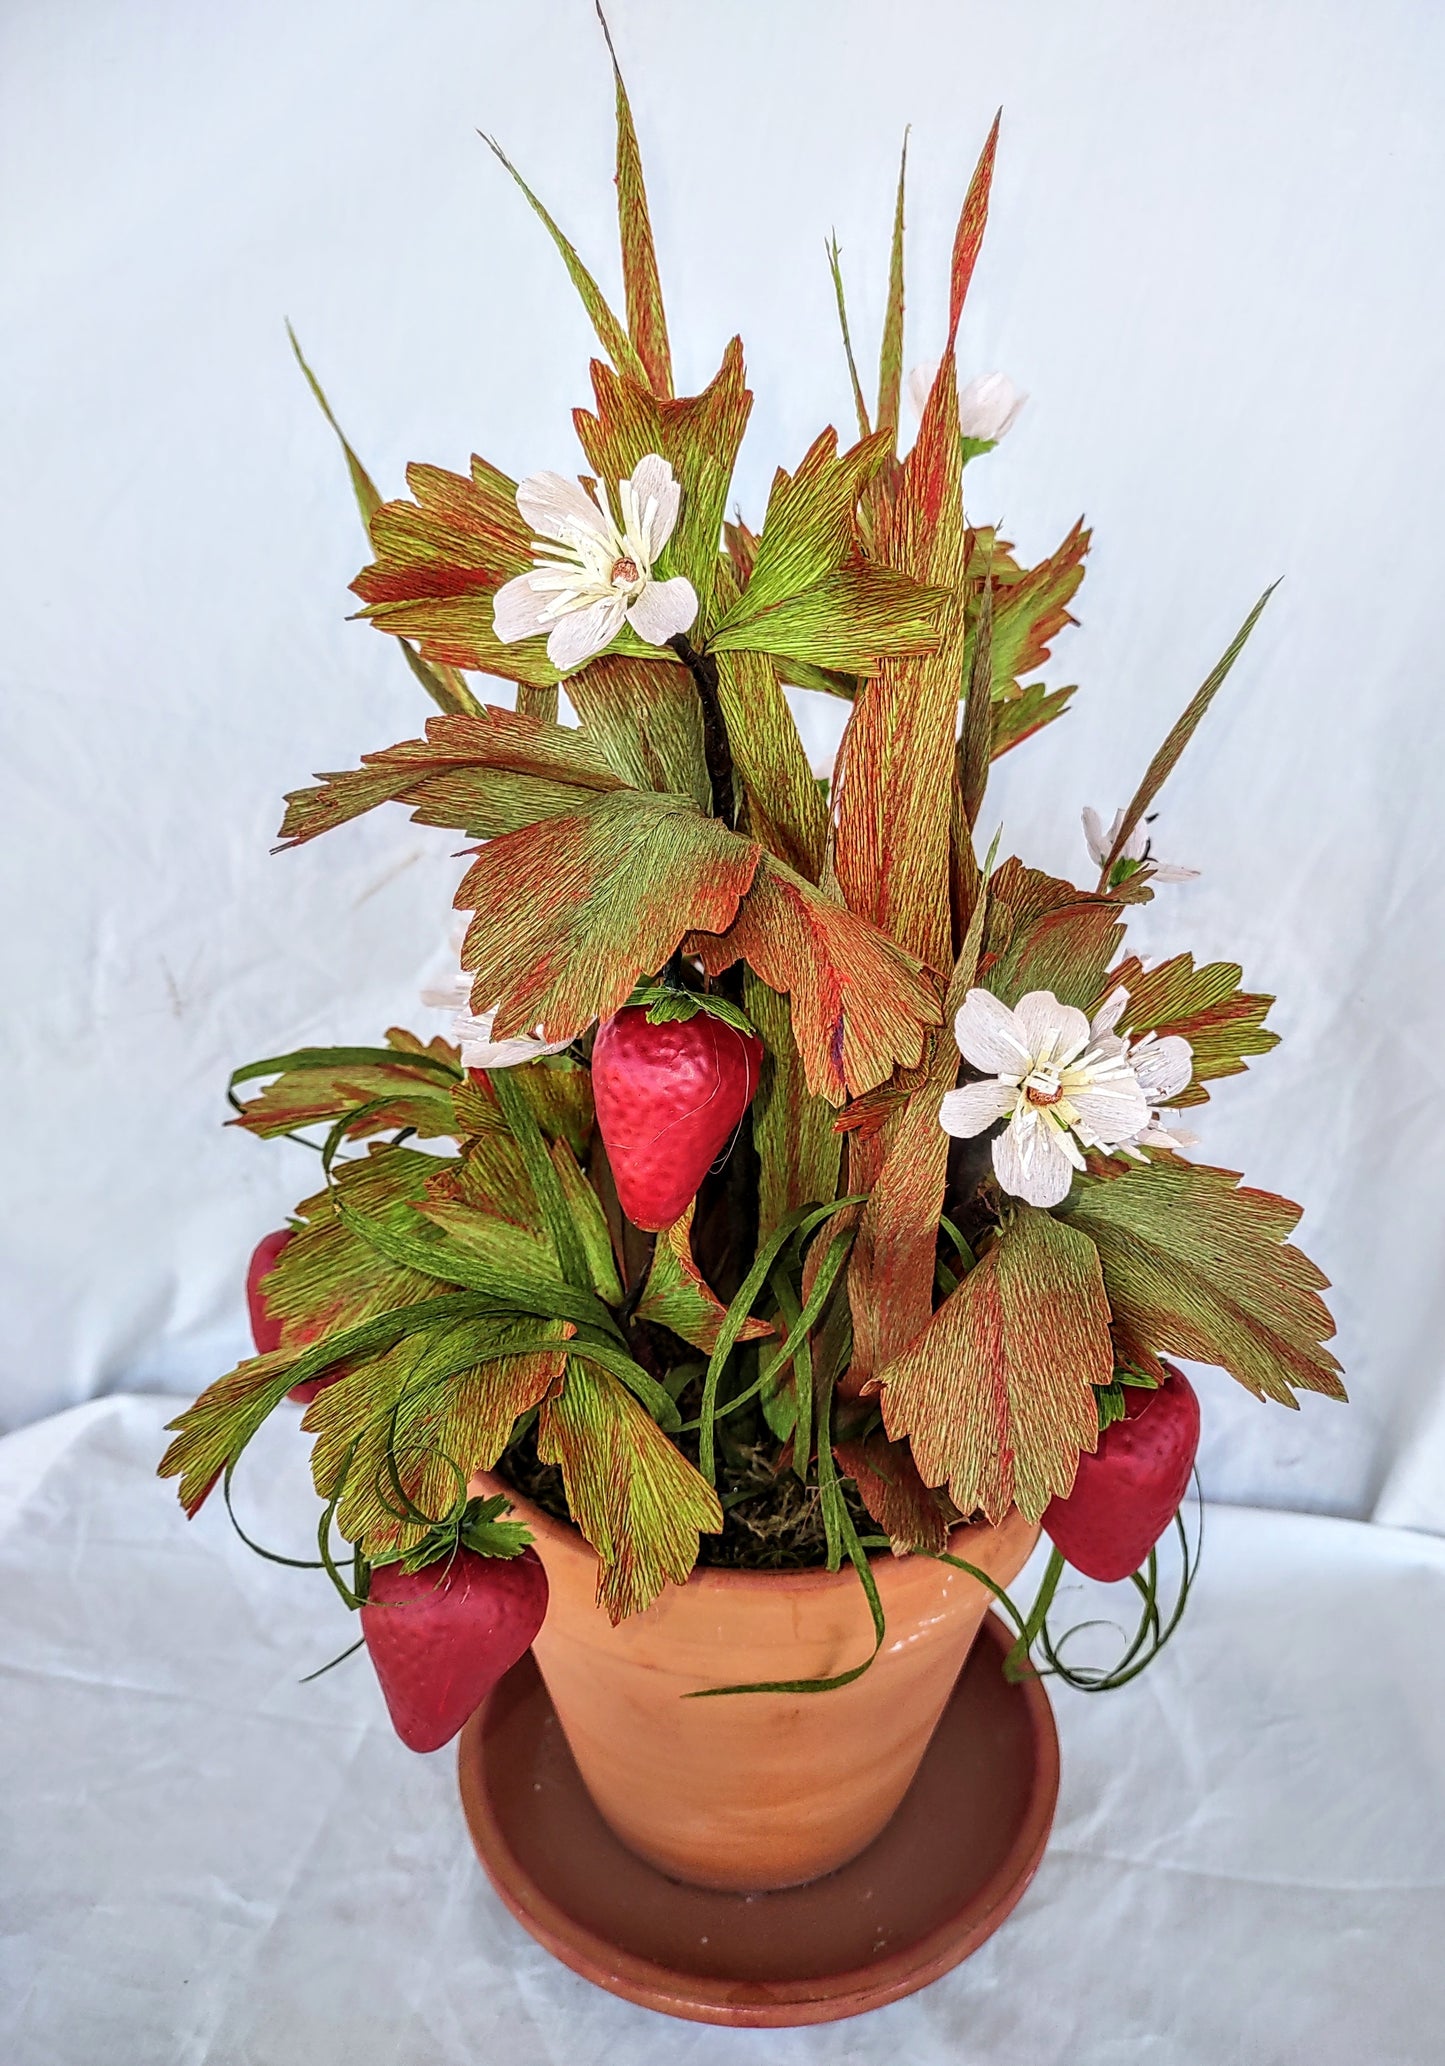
{"type": "Point", "coordinates": [568, 1538]}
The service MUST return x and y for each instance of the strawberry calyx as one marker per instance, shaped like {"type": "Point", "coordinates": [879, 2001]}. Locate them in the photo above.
{"type": "Point", "coordinates": [476, 1525]}
{"type": "Point", "coordinates": [666, 1003]}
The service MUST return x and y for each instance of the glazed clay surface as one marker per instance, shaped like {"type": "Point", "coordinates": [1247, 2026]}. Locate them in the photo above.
{"type": "Point", "coordinates": [757, 1790]}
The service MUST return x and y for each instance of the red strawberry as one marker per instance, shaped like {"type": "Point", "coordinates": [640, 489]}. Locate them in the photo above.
{"type": "Point", "coordinates": [669, 1098]}
{"type": "Point", "coordinates": [265, 1327]}
{"type": "Point", "coordinates": [1130, 1489]}
{"type": "Point", "coordinates": [440, 1638]}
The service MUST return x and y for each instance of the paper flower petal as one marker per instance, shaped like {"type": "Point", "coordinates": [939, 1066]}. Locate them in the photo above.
{"type": "Point", "coordinates": [1163, 1067]}
{"type": "Point", "coordinates": [1094, 838]}
{"type": "Point", "coordinates": [1041, 1019]}
{"type": "Point", "coordinates": [663, 609]}
{"type": "Point", "coordinates": [518, 610]}
{"type": "Point", "coordinates": [560, 508]}
{"type": "Point", "coordinates": [473, 1034]}
{"type": "Point", "coordinates": [1112, 1111]}
{"type": "Point", "coordinates": [975, 1107]}
{"type": "Point", "coordinates": [988, 1035]}
{"type": "Point", "coordinates": [581, 633]}
{"type": "Point", "coordinates": [1030, 1162]}
{"type": "Point", "coordinates": [658, 500]}
{"type": "Point", "coordinates": [988, 406]}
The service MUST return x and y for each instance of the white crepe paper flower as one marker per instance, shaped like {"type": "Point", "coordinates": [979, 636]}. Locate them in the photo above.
{"type": "Point", "coordinates": [1136, 847]}
{"type": "Point", "coordinates": [473, 1031]}
{"type": "Point", "coordinates": [1162, 1065]}
{"type": "Point", "coordinates": [987, 405]}
{"type": "Point", "coordinates": [1061, 1088]}
{"type": "Point", "coordinates": [588, 576]}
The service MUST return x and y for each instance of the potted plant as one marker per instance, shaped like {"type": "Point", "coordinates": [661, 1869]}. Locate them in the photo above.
{"type": "Point", "coordinates": [794, 1223]}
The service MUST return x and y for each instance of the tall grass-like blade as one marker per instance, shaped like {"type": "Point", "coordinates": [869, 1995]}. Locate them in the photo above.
{"type": "Point", "coordinates": [802, 1223]}
{"type": "Point", "coordinates": [1162, 766]}
{"type": "Point", "coordinates": [646, 318]}
{"type": "Point", "coordinates": [444, 685]}
{"type": "Point", "coordinates": [835, 267]}
{"type": "Point", "coordinates": [969, 235]}
{"type": "Point", "coordinates": [368, 495]}
{"type": "Point", "coordinates": [610, 333]}
{"type": "Point", "coordinates": [890, 357]}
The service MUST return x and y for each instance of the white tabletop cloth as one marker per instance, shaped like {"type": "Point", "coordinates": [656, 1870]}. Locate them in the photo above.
{"type": "Point", "coordinates": [205, 1863]}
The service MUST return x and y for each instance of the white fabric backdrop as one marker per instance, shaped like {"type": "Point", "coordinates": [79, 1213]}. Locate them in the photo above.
{"type": "Point", "coordinates": [209, 1865]}
{"type": "Point", "coordinates": [1209, 261]}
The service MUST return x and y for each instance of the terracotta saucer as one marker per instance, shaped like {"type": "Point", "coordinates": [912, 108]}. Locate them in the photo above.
{"type": "Point", "coordinates": [944, 1874]}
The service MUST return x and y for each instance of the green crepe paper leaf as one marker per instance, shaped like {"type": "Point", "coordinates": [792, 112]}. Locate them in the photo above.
{"type": "Point", "coordinates": [426, 1414]}
{"type": "Point", "coordinates": [903, 1166]}
{"type": "Point", "coordinates": [636, 1498]}
{"type": "Point", "coordinates": [394, 1088]}
{"type": "Point", "coordinates": [860, 1002]}
{"type": "Point", "coordinates": [1197, 1267]}
{"type": "Point", "coordinates": [969, 235]}
{"type": "Point", "coordinates": [543, 1176]}
{"type": "Point", "coordinates": [785, 807]}
{"type": "Point", "coordinates": [799, 1154]}
{"type": "Point", "coordinates": [894, 1494]}
{"type": "Point", "coordinates": [419, 1242]}
{"type": "Point", "coordinates": [610, 333]}
{"type": "Point", "coordinates": [485, 775]}
{"type": "Point", "coordinates": [570, 912]}
{"type": "Point", "coordinates": [443, 684]}
{"type": "Point", "coordinates": [997, 1394]}
{"type": "Point", "coordinates": [646, 320]}
{"type": "Point", "coordinates": [560, 1093]}
{"type": "Point", "coordinates": [440, 559]}
{"type": "Point", "coordinates": [797, 674]}
{"type": "Point", "coordinates": [741, 547]}
{"type": "Point", "coordinates": [847, 621]}
{"type": "Point", "coordinates": [678, 1297]}
{"type": "Point", "coordinates": [1044, 934]}
{"type": "Point", "coordinates": [647, 721]}
{"type": "Point", "coordinates": [328, 1279]}
{"type": "Point", "coordinates": [210, 1435]}
{"type": "Point", "coordinates": [405, 1205]}
{"type": "Point", "coordinates": [485, 1204]}
{"type": "Point", "coordinates": [698, 435]}
{"type": "Point", "coordinates": [1030, 604]}
{"type": "Point", "coordinates": [1167, 758]}
{"type": "Point", "coordinates": [584, 1208]}
{"type": "Point", "coordinates": [897, 754]}
{"type": "Point", "coordinates": [811, 524]}
{"type": "Point", "coordinates": [860, 407]}
{"type": "Point", "coordinates": [541, 704]}
{"type": "Point", "coordinates": [1018, 714]}
{"type": "Point", "coordinates": [1222, 1023]}
{"type": "Point", "coordinates": [890, 357]}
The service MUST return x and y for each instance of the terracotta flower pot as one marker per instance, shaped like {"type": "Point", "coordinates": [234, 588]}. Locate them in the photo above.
{"type": "Point", "coordinates": [757, 1790]}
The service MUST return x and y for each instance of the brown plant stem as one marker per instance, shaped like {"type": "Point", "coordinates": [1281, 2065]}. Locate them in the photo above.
{"type": "Point", "coordinates": [716, 747]}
